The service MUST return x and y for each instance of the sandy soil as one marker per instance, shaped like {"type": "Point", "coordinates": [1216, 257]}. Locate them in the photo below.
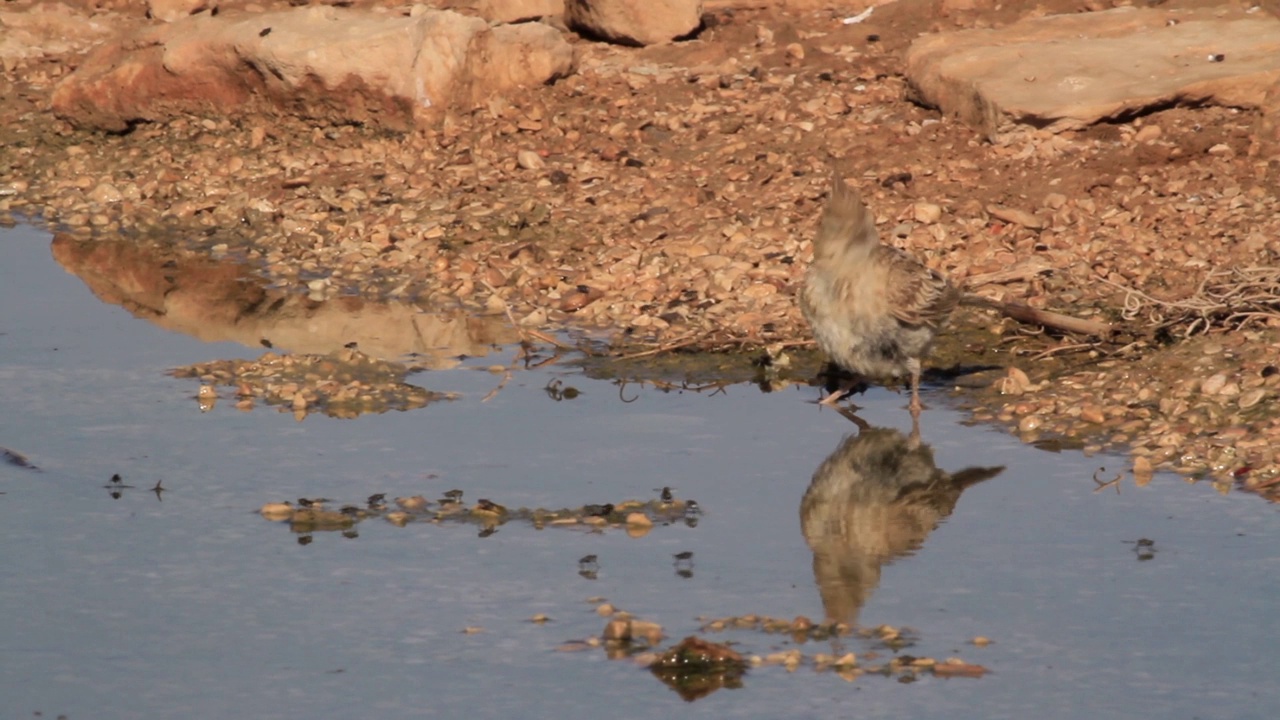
{"type": "Point", "coordinates": [675, 193]}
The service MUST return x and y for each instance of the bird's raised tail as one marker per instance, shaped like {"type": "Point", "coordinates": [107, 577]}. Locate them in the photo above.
{"type": "Point", "coordinates": [969, 477]}
{"type": "Point", "coordinates": [846, 222]}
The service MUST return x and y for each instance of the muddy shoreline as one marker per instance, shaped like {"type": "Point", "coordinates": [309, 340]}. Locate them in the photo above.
{"type": "Point", "coordinates": [672, 200]}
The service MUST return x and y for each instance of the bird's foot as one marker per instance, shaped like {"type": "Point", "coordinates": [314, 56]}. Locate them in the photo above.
{"type": "Point", "coordinates": [834, 399]}
{"type": "Point", "coordinates": [914, 407]}
{"type": "Point", "coordinates": [845, 388]}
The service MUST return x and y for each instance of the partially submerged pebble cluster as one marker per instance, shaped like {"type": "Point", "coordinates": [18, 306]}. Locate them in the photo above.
{"type": "Point", "coordinates": [800, 628]}
{"type": "Point", "coordinates": [884, 639]}
{"type": "Point", "coordinates": [696, 666]}
{"type": "Point", "coordinates": [637, 518]}
{"type": "Point", "coordinates": [344, 384]}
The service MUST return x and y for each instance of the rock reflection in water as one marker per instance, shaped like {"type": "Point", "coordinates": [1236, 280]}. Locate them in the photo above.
{"type": "Point", "coordinates": [875, 499]}
{"type": "Point", "coordinates": [223, 300]}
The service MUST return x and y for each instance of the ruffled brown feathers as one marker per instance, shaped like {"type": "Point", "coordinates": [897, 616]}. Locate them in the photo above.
{"type": "Point", "coordinates": [874, 309]}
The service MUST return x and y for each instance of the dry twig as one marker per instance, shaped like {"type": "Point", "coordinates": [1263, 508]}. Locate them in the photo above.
{"type": "Point", "coordinates": [506, 378]}
{"type": "Point", "coordinates": [1226, 299]}
{"type": "Point", "coordinates": [1018, 273]}
{"type": "Point", "coordinates": [1074, 347]}
{"type": "Point", "coordinates": [1104, 484]}
{"type": "Point", "coordinates": [666, 347]}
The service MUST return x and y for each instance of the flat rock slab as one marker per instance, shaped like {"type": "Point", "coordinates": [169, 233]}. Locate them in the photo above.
{"type": "Point", "coordinates": [48, 30]}
{"type": "Point", "coordinates": [1064, 72]}
{"type": "Point", "coordinates": [325, 63]}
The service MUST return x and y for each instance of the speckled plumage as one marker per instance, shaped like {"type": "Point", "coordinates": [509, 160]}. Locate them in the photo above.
{"type": "Point", "coordinates": [874, 309]}
{"type": "Point", "coordinates": [874, 499]}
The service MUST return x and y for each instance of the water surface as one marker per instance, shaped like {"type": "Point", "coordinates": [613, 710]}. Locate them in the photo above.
{"type": "Point", "coordinates": [192, 604]}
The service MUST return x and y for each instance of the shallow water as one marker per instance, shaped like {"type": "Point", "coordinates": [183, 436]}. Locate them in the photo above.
{"type": "Point", "coordinates": [190, 603]}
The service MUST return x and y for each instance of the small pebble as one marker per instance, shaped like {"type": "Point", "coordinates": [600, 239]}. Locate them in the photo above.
{"type": "Point", "coordinates": [639, 519]}
{"type": "Point", "coordinates": [1092, 414]}
{"type": "Point", "coordinates": [277, 511]}
{"type": "Point", "coordinates": [926, 213]}
{"type": "Point", "coordinates": [417, 503]}
{"type": "Point", "coordinates": [1251, 398]}
{"type": "Point", "coordinates": [1213, 384]}
{"type": "Point", "coordinates": [1142, 471]}
{"type": "Point", "coordinates": [530, 160]}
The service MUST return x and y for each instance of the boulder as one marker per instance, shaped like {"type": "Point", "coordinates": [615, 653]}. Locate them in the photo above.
{"type": "Point", "coordinates": [324, 63]}
{"type": "Point", "coordinates": [634, 23]}
{"type": "Point", "coordinates": [1266, 129]}
{"type": "Point", "coordinates": [1064, 72]}
{"type": "Point", "coordinates": [49, 30]}
{"type": "Point", "coordinates": [507, 11]}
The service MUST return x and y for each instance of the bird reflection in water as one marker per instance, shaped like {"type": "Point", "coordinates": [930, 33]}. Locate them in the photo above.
{"type": "Point", "coordinates": [873, 500]}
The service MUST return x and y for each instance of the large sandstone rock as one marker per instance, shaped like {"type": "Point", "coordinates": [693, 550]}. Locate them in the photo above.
{"type": "Point", "coordinates": [49, 30]}
{"type": "Point", "coordinates": [325, 63]}
{"type": "Point", "coordinates": [508, 11]}
{"type": "Point", "coordinates": [1266, 129]}
{"type": "Point", "coordinates": [1067, 71]}
{"type": "Point", "coordinates": [629, 22]}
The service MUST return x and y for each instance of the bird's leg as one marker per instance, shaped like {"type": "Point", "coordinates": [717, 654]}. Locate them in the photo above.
{"type": "Point", "coordinates": [863, 425]}
{"type": "Point", "coordinates": [915, 405]}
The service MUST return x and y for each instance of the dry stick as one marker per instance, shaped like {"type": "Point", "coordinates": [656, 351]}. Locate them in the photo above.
{"type": "Point", "coordinates": [523, 332]}
{"type": "Point", "coordinates": [1263, 485]}
{"type": "Point", "coordinates": [507, 309]}
{"type": "Point", "coordinates": [543, 363]}
{"type": "Point", "coordinates": [675, 345]}
{"type": "Point", "coordinates": [1034, 316]}
{"type": "Point", "coordinates": [763, 343]}
{"type": "Point", "coordinates": [506, 378]}
{"type": "Point", "coordinates": [494, 392]}
{"type": "Point", "coordinates": [707, 343]}
{"type": "Point", "coordinates": [1121, 351]}
{"type": "Point", "coordinates": [1019, 273]}
{"type": "Point", "coordinates": [548, 339]}
{"type": "Point", "coordinates": [1103, 484]}
{"type": "Point", "coordinates": [1060, 349]}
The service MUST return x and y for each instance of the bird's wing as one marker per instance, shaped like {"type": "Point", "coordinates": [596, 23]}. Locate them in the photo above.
{"type": "Point", "coordinates": [917, 295]}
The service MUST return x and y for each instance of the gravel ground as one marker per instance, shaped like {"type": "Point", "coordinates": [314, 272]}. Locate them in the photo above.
{"type": "Point", "coordinates": [665, 198]}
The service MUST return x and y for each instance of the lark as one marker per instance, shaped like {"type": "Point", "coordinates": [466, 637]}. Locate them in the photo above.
{"type": "Point", "coordinates": [874, 309]}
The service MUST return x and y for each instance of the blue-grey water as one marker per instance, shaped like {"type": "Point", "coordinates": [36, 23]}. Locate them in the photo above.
{"type": "Point", "coordinates": [192, 605]}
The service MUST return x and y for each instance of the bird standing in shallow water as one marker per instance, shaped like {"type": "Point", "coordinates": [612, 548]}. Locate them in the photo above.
{"type": "Point", "coordinates": [874, 309]}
